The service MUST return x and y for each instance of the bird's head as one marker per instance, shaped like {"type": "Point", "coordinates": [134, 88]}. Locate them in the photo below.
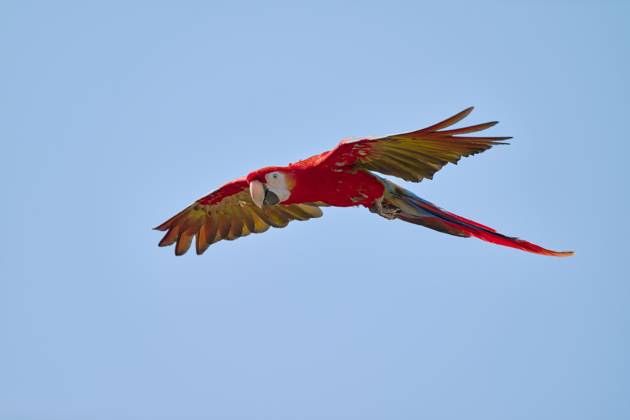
{"type": "Point", "coordinates": [270, 185]}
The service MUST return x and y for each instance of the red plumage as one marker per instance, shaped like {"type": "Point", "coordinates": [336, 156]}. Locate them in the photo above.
{"type": "Point", "coordinates": [342, 177]}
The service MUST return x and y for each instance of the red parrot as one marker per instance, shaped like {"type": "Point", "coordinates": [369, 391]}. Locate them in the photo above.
{"type": "Point", "coordinates": [343, 177]}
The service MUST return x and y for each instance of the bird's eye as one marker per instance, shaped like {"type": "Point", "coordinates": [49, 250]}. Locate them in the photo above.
{"type": "Point", "coordinates": [274, 176]}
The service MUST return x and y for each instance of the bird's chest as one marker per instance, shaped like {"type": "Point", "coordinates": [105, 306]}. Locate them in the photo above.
{"type": "Point", "coordinates": [342, 189]}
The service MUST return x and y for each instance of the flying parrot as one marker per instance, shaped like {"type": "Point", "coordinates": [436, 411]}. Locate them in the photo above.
{"type": "Point", "coordinates": [343, 177]}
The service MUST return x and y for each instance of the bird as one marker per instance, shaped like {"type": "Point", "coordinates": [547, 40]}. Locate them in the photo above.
{"type": "Point", "coordinates": [343, 177]}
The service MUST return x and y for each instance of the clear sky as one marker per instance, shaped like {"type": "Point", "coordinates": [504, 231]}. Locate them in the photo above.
{"type": "Point", "coordinates": [115, 116]}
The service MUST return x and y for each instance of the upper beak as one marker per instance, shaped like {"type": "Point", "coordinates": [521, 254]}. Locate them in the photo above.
{"type": "Point", "coordinates": [257, 191]}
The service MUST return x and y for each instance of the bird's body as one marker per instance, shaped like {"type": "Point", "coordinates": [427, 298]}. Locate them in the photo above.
{"type": "Point", "coordinates": [342, 177]}
{"type": "Point", "coordinates": [315, 181]}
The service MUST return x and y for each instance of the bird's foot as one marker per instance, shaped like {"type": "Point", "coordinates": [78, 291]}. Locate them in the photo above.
{"type": "Point", "coordinates": [385, 210]}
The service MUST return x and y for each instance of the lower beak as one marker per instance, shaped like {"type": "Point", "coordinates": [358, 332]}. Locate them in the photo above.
{"type": "Point", "coordinates": [257, 191]}
{"type": "Point", "coordinates": [271, 198]}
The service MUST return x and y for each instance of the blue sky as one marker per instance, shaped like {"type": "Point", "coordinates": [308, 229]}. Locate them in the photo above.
{"type": "Point", "coordinates": [118, 114]}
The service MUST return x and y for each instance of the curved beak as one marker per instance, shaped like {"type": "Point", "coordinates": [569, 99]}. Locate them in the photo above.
{"type": "Point", "coordinates": [257, 191]}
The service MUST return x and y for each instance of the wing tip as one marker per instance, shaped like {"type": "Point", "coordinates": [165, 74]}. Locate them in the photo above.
{"type": "Point", "coordinates": [447, 122]}
{"type": "Point", "coordinates": [463, 114]}
{"type": "Point", "coordinates": [162, 227]}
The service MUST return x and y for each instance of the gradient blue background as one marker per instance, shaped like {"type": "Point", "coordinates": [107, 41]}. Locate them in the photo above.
{"type": "Point", "coordinates": [115, 116]}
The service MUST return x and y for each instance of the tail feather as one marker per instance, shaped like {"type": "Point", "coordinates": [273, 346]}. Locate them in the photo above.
{"type": "Point", "coordinates": [414, 209]}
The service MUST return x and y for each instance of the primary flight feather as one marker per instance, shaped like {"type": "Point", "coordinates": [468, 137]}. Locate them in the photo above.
{"type": "Point", "coordinates": [342, 177]}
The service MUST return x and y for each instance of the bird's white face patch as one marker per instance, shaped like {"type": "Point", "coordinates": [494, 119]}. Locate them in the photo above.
{"type": "Point", "coordinates": [276, 182]}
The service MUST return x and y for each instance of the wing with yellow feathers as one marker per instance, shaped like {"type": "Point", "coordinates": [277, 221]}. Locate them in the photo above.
{"type": "Point", "coordinates": [415, 155]}
{"type": "Point", "coordinates": [228, 213]}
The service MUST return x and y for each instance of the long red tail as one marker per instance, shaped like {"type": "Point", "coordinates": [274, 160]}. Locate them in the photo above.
{"type": "Point", "coordinates": [414, 209]}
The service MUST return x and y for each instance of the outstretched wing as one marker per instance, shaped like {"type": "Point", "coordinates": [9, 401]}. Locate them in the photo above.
{"type": "Point", "coordinates": [415, 155]}
{"type": "Point", "coordinates": [228, 213]}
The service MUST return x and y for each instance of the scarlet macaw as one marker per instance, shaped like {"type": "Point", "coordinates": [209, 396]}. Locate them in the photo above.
{"type": "Point", "coordinates": [342, 177]}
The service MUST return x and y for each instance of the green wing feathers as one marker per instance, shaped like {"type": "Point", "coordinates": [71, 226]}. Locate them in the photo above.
{"type": "Point", "coordinates": [417, 155]}
{"type": "Point", "coordinates": [230, 218]}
